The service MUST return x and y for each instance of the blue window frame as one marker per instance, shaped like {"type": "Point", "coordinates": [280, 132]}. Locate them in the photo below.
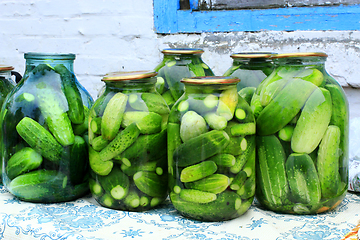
{"type": "Point", "coordinates": [168, 18]}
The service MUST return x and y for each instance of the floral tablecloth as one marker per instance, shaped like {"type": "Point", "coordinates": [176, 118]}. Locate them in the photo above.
{"type": "Point", "coordinates": [86, 219]}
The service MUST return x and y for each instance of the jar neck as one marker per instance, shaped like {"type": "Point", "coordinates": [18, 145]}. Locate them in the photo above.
{"type": "Point", "coordinates": [253, 63]}
{"type": "Point", "coordinates": [181, 56]}
{"type": "Point", "coordinates": [207, 88]}
{"type": "Point", "coordinates": [140, 85]}
{"type": "Point", "coordinates": [318, 62]}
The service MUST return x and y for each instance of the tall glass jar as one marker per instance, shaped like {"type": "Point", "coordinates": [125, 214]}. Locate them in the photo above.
{"type": "Point", "coordinates": [44, 132]}
{"type": "Point", "coordinates": [302, 136]}
{"type": "Point", "coordinates": [179, 63]}
{"type": "Point", "coordinates": [127, 136]}
{"type": "Point", "coordinates": [211, 150]}
{"type": "Point", "coordinates": [251, 68]}
{"type": "Point", "coordinates": [6, 85]}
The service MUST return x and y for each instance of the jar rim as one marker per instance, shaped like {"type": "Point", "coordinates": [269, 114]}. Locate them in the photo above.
{"type": "Point", "coordinates": [252, 55]}
{"type": "Point", "coordinates": [208, 80]}
{"type": "Point", "coordinates": [182, 51]}
{"type": "Point", "coordinates": [300, 54]}
{"type": "Point", "coordinates": [4, 67]}
{"type": "Point", "coordinates": [128, 75]}
{"type": "Point", "coordinates": [49, 56]}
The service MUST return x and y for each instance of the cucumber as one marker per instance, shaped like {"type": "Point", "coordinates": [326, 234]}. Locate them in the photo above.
{"type": "Point", "coordinates": [247, 190]}
{"type": "Point", "coordinates": [151, 184]}
{"type": "Point", "coordinates": [197, 196]}
{"type": "Point", "coordinates": [246, 93]}
{"type": "Point", "coordinates": [155, 103]}
{"type": "Point", "coordinates": [72, 94]}
{"type": "Point", "coordinates": [327, 163]}
{"type": "Point", "coordinates": [198, 171]}
{"type": "Point", "coordinates": [122, 141]}
{"type": "Point", "coordinates": [286, 133]}
{"type": "Point", "coordinates": [170, 101]}
{"type": "Point", "coordinates": [113, 114]}
{"type": "Point", "coordinates": [95, 188]}
{"type": "Point", "coordinates": [97, 165]}
{"type": "Point", "coordinates": [192, 125]}
{"type": "Point", "coordinates": [242, 129]}
{"type": "Point", "coordinates": [53, 108]}
{"type": "Point", "coordinates": [147, 122]}
{"type": "Point", "coordinates": [223, 208]}
{"type": "Point", "coordinates": [243, 112]}
{"type": "Point", "coordinates": [271, 180]}
{"type": "Point", "coordinates": [173, 141]}
{"type": "Point", "coordinates": [215, 183]}
{"type": "Point", "coordinates": [316, 77]}
{"type": "Point", "coordinates": [248, 154]}
{"type": "Point", "coordinates": [99, 143]}
{"type": "Point", "coordinates": [116, 183]}
{"type": "Point", "coordinates": [313, 122]}
{"type": "Point", "coordinates": [255, 105]}
{"type": "Point", "coordinates": [131, 170]}
{"type": "Point", "coordinates": [40, 139]}
{"type": "Point", "coordinates": [227, 103]}
{"type": "Point", "coordinates": [95, 125]}
{"type": "Point", "coordinates": [132, 200]}
{"type": "Point", "coordinates": [78, 165]}
{"type": "Point", "coordinates": [238, 181]}
{"type": "Point", "coordinates": [36, 186]}
{"type": "Point", "coordinates": [200, 148]}
{"type": "Point", "coordinates": [284, 107]}
{"type": "Point", "coordinates": [303, 179]}
{"type": "Point", "coordinates": [80, 129]}
{"type": "Point", "coordinates": [271, 90]}
{"type": "Point", "coordinates": [215, 121]}
{"type": "Point", "coordinates": [160, 85]}
{"type": "Point", "coordinates": [25, 160]}
{"type": "Point", "coordinates": [223, 159]}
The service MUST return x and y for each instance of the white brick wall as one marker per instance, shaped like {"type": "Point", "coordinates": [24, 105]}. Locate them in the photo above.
{"type": "Point", "coordinates": [117, 34]}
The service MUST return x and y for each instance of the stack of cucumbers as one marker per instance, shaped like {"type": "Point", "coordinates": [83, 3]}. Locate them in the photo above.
{"type": "Point", "coordinates": [46, 159]}
{"type": "Point", "coordinates": [211, 151]}
{"type": "Point", "coordinates": [302, 125]}
{"type": "Point", "coordinates": [128, 158]}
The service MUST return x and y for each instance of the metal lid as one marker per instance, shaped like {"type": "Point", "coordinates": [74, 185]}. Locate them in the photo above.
{"type": "Point", "coordinates": [300, 54]}
{"type": "Point", "coordinates": [49, 56]}
{"type": "Point", "coordinates": [5, 67]}
{"type": "Point", "coordinates": [182, 51]}
{"type": "Point", "coordinates": [128, 75]}
{"type": "Point", "coordinates": [252, 55]}
{"type": "Point", "coordinates": [210, 80]}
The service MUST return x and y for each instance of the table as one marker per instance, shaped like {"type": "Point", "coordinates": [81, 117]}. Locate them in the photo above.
{"type": "Point", "coordinates": [86, 219]}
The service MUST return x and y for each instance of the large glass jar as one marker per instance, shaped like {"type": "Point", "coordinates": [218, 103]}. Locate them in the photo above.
{"type": "Point", "coordinates": [127, 136]}
{"type": "Point", "coordinates": [44, 132]}
{"type": "Point", "coordinates": [211, 150]}
{"type": "Point", "coordinates": [176, 64]}
{"type": "Point", "coordinates": [6, 85]}
{"type": "Point", "coordinates": [302, 136]}
{"type": "Point", "coordinates": [251, 68]}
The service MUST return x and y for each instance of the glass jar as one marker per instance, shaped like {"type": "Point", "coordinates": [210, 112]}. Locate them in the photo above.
{"type": "Point", "coordinates": [179, 63]}
{"type": "Point", "coordinates": [127, 136]}
{"type": "Point", "coordinates": [251, 68]}
{"type": "Point", "coordinates": [211, 150]}
{"type": "Point", "coordinates": [302, 136]}
{"type": "Point", "coordinates": [44, 132]}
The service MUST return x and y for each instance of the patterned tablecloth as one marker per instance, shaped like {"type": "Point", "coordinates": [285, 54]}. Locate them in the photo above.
{"type": "Point", "coordinates": [86, 219]}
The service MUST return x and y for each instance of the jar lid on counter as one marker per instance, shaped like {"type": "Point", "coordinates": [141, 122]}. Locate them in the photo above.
{"type": "Point", "coordinates": [6, 67]}
{"type": "Point", "coordinates": [300, 54]}
{"type": "Point", "coordinates": [128, 75]}
{"type": "Point", "coordinates": [204, 80]}
{"type": "Point", "coordinates": [182, 51]}
{"type": "Point", "coordinates": [252, 55]}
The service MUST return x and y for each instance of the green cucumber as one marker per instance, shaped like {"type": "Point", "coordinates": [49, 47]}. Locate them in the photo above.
{"type": "Point", "coordinates": [327, 163]}
{"type": "Point", "coordinates": [170, 101]}
{"type": "Point", "coordinates": [122, 141]}
{"type": "Point", "coordinates": [192, 125]}
{"type": "Point", "coordinates": [132, 200]}
{"type": "Point", "coordinates": [25, 160]}
{"type": "Point", "coordinates": [243, 112]}
{"type": "Point", "coordinates": [271, 90]}
{"type": "Point", "coordinates": [200, 148]}
{"type": "Point", "coordinates": [72, 94]}
{"type": "Point", "coordinates": [99, 143]}
{"type": "Point", "coordinates": [80, 129]}
{"type": "Point", "coordinates": [131, 170]}
{"type": "Point", "coordinates": [95, 125]}
{"type": "Point", "coordinates": [316, 77]}
{"type": "Point", "coordinates": [40, 139]}
{"type": "Point", "coordinates": [247, 154]}
{"type": "Point", "coordinates": [116, 183]}
{"type": "Point", "coordinates": [97, 165]}
{"type": "Point", "coordinates": [95, 188]}
{"type": "Point", "coordinates": [227, 103]}
{"type": "Point", "coordinates": [215, 121]}
{"type": "Point", "coordinates": [215, 183]}
{"type": "Point", "coordinates": [173, 141]}
{"type": "Point", "coordinates": [255, 105]}
{"type": "Point", "coordinates": [286, 133]}
{"type": "Point", "coordinates": [247, 190]}
{"type": "Point", "coordinates": [197, 196]}
{"type": "Point", "coordinates": [223, 160]}
{"type": "Point", "coordinates": [155, 103]}
{"type": "Point", "coordinates": [160, 85]}
{"type": "Point", "coordinates": [246, 93]}
{"type": "Point", "coordinates": [147, 122]}
{"type": "Point", "coordinates": [284, 107]}
{"type": "Point", "coordinates": [151, 184]}
{"type": "Point", "coordinates": [271, 180]}
{"type": "Point", "coordinates": [78, 165]}
{"type": "Point", "coordinates": [242, 129]}
{"type": "Point", "coordinates": [303, 179]}
{"type": "Point", "coordinates": [198, 171]}
{"type": "Point", "coordinates": [113, 114]}
{"type": "Point", "coordinates": [224, 207]}
{"type": "Point", "coordinates": [238, 181]}
{"type": "Point", "coordinates": [313, 122]}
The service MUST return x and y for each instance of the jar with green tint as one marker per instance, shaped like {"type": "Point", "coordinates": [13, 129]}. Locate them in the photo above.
{"type": "Point", "coordinates": [211, 150]}
{"type": "Point", "coordinates": [251, 68]}
{"type": "Point", "coordinates": [302, 128]}
{"type": "Point", "coordinates": [178, 63]}
{"type": "Point", "coordinates": [127, 137]}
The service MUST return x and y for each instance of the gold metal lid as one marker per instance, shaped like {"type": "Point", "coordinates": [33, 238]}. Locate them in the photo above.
{"type": "Point", "coordinates": [300, 54]}
{"type": "Point", "coordinates": [6, 67]}
{"type": "Point", "coordinates": [252, 55]}
{"type": "Point", "coordinates": [182, 51]}
{"type": "Point", "coordinates": [128, 75]}
{"type": "Point", "coordinates": [210, 80]}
